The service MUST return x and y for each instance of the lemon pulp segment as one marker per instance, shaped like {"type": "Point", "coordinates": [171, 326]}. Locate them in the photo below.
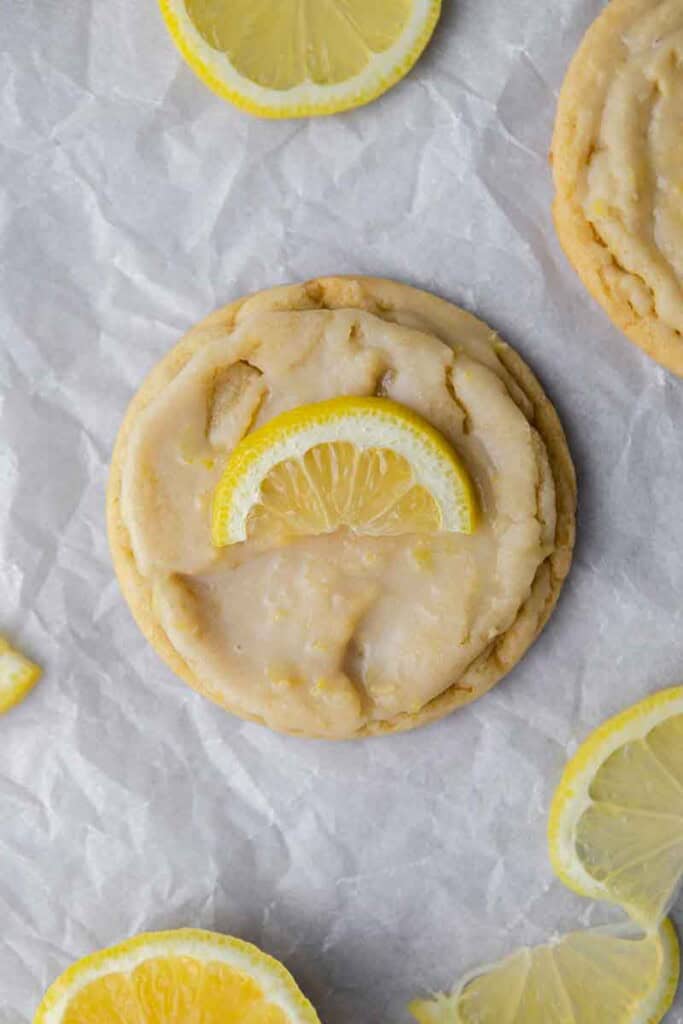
{"type": "Point", "coordinates": [164, 989]}
{"type": "Point", "coordinates": [368, 464]}
{"type": "Point", "coordinates": [280, 46]}
{"type": "Point", "coordinates": [190, 976]}
{"type": "Point", "coordinates": [590, 977]}
{"type": "Point", "coordinates": [292, 58]}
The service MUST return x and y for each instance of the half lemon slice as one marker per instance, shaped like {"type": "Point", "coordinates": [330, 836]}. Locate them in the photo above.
{"type": "Point", "coordinates": [591, 977]}
{"type": "Point", "coordinates": [368, 464]}
{"type": "Point", "coordinates": [616, 821]}
{"type": "Point", "coordinates": [295, 58]}
{"type": "Point", "coordinates": [186, 975]}
{"type": "Point", "coordinates": [18, 676]}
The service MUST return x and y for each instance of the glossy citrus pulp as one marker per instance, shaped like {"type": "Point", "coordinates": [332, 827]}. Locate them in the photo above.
{"type": "Point", "coordinates": [591, 977]}
{"type": "Point", "coordinates": [182, 977]}
{"type": "Point", "coordinates": [367, 464]}
{"type": "Point", "coordinates": [18, 676]}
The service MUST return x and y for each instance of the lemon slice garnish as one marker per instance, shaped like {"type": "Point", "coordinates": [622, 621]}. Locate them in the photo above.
{"type": "Point", "coordinates": [616, 821]}
{"type": "Point", "coordinates": [590, 977]}
{"type": "Point", "coordinates": [186, 975]}
{"type": "Point", "coordinates": [368, 464]}
{"type": "Point", "coordinates": [288, 58]}
{"type": "Point", "coordinates": [18, 675]}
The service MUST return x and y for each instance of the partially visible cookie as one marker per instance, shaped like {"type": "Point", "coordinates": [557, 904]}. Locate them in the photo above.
{"type": "Point", "coordinates": [618, 166]}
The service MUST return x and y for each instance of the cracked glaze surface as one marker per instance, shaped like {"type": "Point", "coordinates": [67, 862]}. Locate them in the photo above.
{"type": "Point", "coordinates": [328, 635]}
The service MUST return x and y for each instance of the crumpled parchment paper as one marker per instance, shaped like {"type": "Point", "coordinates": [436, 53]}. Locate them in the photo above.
{"type": "Point", "coordinates": [132, 203]}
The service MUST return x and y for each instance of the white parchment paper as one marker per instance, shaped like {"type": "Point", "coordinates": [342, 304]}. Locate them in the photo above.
{"type": "Point", "coordinates": [132, 203]}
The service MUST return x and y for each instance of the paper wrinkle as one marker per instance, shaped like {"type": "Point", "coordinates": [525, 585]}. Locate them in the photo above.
{"type": "Point", "coordinates": [132, 203]}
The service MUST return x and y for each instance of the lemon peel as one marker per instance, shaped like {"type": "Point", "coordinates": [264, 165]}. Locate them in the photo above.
{"type": "Point", "coordinates": [615, 829]}
{"type": "Point", "coordinates": [279, 58]}
{"type": "Point", "coordinates": [18, 676]}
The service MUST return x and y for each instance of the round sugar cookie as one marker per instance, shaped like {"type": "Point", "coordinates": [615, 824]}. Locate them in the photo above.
{"type": "Point", "coordinates": [341, 635]}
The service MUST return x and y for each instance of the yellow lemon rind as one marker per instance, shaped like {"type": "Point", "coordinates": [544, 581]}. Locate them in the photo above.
{"type": "Point", "coordinates": [203, 69]}
{"type": "Point", "coordinates": [571, 796]}
{"type": "Point", "coordinates": [662, 999]}
{"type": "Point", "coordinates": [24, 676]}
{"type": "Point", "coordinates": [248, 465]}
{"type": "Point", "coordinates": [278, 984]}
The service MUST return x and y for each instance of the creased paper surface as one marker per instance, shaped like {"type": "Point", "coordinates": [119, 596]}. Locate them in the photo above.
{"type": "Point", "coordinates": [133, 202]}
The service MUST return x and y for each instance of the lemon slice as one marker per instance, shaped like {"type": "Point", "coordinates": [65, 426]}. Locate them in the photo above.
{"type": "Point", "coordinates": [186, 975]}
{"type": "Point", "coordinates": [368, 464]}
{"type": "Point", "coordinates": [18, 675]}
{"type": "Point", "coordinates": [602, 976]}
{"type": "Point", "coordinates": [616, 821]}
{"type": "Point", "coordinates": [295, 58]}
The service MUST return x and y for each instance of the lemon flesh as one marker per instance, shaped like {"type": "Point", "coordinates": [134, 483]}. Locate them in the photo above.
{"type": "Point", "coordinates": [18, 676]}
{"type": "Point", "coordinates": [282, 45]}
{"type": "Point", "coordinates": [284, 58]}
{"type": "Point", "coordinates": [589, 977]}
{"type": "Point", "coordinates": [188, 976]}
{"type": "Point", "coordinates": [616, 823]}
{"type": "Point", "coordinates": [367, 464]}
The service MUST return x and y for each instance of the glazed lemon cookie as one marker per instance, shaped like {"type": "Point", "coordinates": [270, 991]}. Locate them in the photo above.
{"type": "Point", "coordinates": [341, 508]}
{"type": "Point", "coordinates": [618, 165]}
